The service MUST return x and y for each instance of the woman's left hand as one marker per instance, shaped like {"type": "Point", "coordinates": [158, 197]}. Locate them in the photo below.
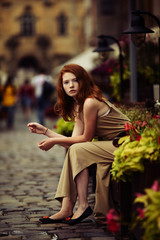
{"type": "Point", "coordinates": [46, 144]}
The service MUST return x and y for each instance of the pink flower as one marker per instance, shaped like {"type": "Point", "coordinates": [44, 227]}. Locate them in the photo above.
{"type": "Point", "coordinates": [112, 221]}
{"type": "Point", "coordinates": [156, 116]}
{"type": "Point", "coordinates": [141, 212]}
{"type": "Point", "coordinates": [112, 215]}
{"type": "Point", "coordinates": [127, 126]}
{"type": "Point", "coordinates": [144, 123]}
{"type": "Point", "coordinates": [138, 194]}
{"type": "Point", "coordinates": [155, 186]}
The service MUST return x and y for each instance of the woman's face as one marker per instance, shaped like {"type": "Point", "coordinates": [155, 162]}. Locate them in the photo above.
{"type": "Point", "coordinates": [70, 84]}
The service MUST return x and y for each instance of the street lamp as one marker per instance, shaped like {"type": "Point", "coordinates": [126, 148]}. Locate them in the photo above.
{"type": "Point", "coordinates": [103, 48]}
{"type": "Point", "coordinates": [138, 31]}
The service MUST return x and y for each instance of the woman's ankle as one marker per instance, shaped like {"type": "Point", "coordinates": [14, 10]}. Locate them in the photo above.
{"type": "Point", "coordinates": [83, 206]}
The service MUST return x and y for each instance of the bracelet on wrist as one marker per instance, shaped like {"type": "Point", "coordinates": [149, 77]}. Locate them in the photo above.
{"type": "Point", "coordinates": [45, 131]}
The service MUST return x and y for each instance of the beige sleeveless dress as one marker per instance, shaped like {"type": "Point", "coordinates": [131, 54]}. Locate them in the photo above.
{"type": "Point", "coordinates": [83, 155]}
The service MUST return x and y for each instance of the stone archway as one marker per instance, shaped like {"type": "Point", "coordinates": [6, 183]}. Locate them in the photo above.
{"type": "Point", "coordinates": [26, 68]}
{"type": "Point", "coordinates": [29, 62]}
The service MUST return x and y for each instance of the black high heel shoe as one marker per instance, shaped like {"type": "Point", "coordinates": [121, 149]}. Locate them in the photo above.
{"type": "Point", "coordinates": [84, 215]}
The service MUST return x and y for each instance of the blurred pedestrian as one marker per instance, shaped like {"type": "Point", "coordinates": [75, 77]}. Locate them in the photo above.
{"type": "Point", "coordinates": [9, 99]}
{"type": "Point", "coordinates": [43, 91]}
{"type": "Point", "coordinates": [0, 90]}
{"type": "Point", "coordinates": [26, 95]}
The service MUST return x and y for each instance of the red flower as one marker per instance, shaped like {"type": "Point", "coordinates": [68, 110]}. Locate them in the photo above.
{"type": "Point", "coordinates": [156, 116]}
{"type": "Point", "coordinates": [138, 194]}
{"type": "Point", "coordinates": [138, 122]}
{"type": "Point", "coordinates": [141, 212]}
{"type": "Point", "coordinates": [112, 215]}
{"type": "Point", "coordinates": [135, 129]}
{"type": "Point", "coordinates": [109, 70]}
{"type": "Point", "coordinates": [113, 226]}
{"type": "Point", "coordinates": [112, 221]}
{"type": "Point", "coordinates": [138, 138]}
{"type": "Point", "coordinates": [55, 126]}
{"type": "Point", "coordinates": [127, 126]}
{"type": "Point", "coordinates": [155, 186]}
{"type": "Point", "coordinates": [144, 123]}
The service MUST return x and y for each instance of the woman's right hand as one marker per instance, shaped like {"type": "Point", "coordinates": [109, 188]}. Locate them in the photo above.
{"type": "Point", "coordinates": [36, 128]}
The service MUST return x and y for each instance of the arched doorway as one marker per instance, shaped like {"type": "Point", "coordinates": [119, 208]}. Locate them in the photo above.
{"type": "Point", "coordinates": [27, 67]}
{"type": "Point", "coordinates": [29, 62]}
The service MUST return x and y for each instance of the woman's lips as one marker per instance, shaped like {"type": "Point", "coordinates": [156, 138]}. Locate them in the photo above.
{"type": "Point", "coordinates": [72, 91]}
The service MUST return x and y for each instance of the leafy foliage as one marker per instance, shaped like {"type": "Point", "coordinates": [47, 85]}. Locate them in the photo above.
{"type": "Point", "coordinates": [149, 214]}
{"type": "Point", "coordinates": [115, 82]}
{"type": "Point", "coordinates": [63, 127]}
{"type": "Point", "coordinates": [141, 144]}
{"type": "Point", "coordinates": [135, 113]}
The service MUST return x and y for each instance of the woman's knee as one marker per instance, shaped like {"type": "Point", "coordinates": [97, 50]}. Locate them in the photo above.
{"type": "Point", "coordinates": [76, 148]}
{"type": "Point", "coordinates": [76, 155]}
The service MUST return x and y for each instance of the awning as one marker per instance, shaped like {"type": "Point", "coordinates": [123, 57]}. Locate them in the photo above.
{"type": "Point", "coordinates": [86, 59]}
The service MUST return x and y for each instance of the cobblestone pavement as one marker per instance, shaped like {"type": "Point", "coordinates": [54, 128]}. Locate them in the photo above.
{"type": "Point", "coordinates": [28, 181]}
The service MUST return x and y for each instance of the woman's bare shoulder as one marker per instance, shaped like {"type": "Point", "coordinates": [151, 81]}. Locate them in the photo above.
{"type": "Point", "coordinates": [91, 101]}
{"type": "Point", "coordinates": [91, 105]}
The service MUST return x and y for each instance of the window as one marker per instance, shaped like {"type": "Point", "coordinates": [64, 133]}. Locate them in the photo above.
{"type": "Point", "coordinates": [62, 24]}
{"type": "Point", "coordinates": [106, 6]}
{"type": "Point", "coordinates": [6, 4]}
{"type": "Point", "coordinates": [27, 23]}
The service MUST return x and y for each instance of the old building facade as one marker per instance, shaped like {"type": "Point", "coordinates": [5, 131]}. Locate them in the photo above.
{"type": "Point", "coordinates": [42, 33]}
{"type": "Point", "coordinates": [46, 33]}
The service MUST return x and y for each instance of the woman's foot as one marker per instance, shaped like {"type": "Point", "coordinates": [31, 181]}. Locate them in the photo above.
{"type": "Point", "coordinates": [86, 213]}
{"type": "Point", "coordinates": [80, 210]}
{"type": "Point", "coordinates": [59, 217]}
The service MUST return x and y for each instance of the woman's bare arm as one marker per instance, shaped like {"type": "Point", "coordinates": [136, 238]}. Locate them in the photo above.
{"type": "Point", "coordinates": [82, 132]}
{"type": "Point", "coordinates": [40, 129]}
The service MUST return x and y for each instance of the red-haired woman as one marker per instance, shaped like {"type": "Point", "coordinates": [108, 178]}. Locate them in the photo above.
{"type": "Point", "coordinates": [80, 100]}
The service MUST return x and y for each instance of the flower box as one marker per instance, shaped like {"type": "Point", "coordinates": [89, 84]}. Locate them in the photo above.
{"type": "Point", "coordinates": [128, 191]}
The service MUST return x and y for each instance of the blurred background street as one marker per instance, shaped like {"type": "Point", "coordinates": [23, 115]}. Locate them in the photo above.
{"type": "Point", "coordinates": [37, 38]}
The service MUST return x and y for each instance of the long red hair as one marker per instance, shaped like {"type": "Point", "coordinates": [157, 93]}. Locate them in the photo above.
{"type": "Point", "coordinates": [65, 105]}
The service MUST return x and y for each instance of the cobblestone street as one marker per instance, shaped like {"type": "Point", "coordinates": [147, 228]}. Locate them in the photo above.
{"type": "Point", "coordinates": [28, 181]}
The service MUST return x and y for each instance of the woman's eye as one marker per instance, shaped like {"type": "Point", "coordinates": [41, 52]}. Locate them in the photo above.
{"type": "Point", "coordinates": [75, 80]}
{"type": "Point", "coordinates": [65, 82]}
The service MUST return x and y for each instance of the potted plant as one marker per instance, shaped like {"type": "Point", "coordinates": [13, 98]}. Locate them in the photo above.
{"type": "Point", "coordinates": [136, 163]}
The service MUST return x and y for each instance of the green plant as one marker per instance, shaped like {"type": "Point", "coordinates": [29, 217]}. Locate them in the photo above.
{"type": "Point", "coordinates": [115, 82]}
{"type": "Point", "coordinates": [149, 214]}
{"type": "Point", "coordinates": [148, 72]}
{"type": "Point", "coordinates": [64, 127]}
{"type": "Point", "coordinates": [136, 113]}
{"type": "Point", "coordinates": [141, 144]}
